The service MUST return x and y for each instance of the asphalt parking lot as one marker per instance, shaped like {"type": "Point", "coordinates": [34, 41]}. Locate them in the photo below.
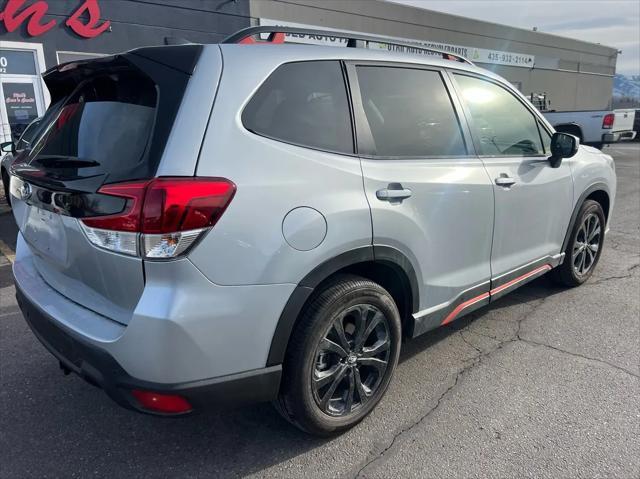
{"type": "Point", "coordinates": [544, 383]}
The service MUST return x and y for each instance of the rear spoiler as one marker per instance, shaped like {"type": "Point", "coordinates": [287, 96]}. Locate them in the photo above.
{"type": "Point", "coordinates": [62, 79]}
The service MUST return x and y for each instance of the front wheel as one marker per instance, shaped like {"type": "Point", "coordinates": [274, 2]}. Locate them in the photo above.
{"type": "Point", "coordinates": [584, 247]}
{"type": "Point", "coordinates": [341, 357]}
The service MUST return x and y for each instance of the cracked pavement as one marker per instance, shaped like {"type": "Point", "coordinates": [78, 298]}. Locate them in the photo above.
{"type": "Point", "coordinates": [543, 383]}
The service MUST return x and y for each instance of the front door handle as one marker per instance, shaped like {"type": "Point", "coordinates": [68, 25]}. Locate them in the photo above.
{"type": "Point", "coordinates": [505, 181]}
{"type": "Point", "coordinates": [394, 193]}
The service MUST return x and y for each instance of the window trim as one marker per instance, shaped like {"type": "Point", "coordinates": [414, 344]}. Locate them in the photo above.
{"type": "Point", "coordinates": [530, 108]}
{"type": "Point", "coordinates": [540, 130]}
{"type": "Point", "coordinates": [340, 63]}
{"type": "Point", "coordinates": [366, 146]}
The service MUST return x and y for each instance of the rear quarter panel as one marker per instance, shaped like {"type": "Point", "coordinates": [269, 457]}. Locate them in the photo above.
{"type": "Point", "coordinates": [247, 245]}
{"type": "Point", "coordinates": [183, 145]}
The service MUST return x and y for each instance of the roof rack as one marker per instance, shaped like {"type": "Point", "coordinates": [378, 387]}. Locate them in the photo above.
{"type": "Point", "coordinates": [354, 40]}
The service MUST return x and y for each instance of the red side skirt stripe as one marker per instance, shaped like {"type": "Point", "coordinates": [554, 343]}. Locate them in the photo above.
{"type": "Point", "coordinates": [453, 314]}
{"type": "Point", "coordinates": [545, 267]}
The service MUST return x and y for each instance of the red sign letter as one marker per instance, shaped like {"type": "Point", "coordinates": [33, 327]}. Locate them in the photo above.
{"type": "Point", "coordinates": [13, 19]}
{"type": "Point", "coordinates": [91, 28]}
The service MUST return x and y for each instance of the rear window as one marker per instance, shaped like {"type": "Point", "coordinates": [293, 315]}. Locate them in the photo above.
{"type": "Point", "coordinates": [303, 103]}
{"type": "Point", "coordinates": [106, 123]}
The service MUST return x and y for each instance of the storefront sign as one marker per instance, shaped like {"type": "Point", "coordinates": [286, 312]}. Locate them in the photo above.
{"type": "Point", "coordinates": [15, 13]}
{"type": "Point", "coordinates": [20, 100]}
{"type": "Point", "coordinates": [17, 62]}
{"type": "Point", "coordinates": [479, 55]}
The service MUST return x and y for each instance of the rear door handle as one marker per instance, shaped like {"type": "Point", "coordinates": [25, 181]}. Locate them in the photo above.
{"type": "Point", "coordinates": [505, 181]}
{"type": "Point", "coordinates": [394, 193]}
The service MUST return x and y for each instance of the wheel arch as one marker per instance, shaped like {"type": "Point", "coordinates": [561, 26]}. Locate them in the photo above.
{"type": "Point", "coordinates": [386, 266]}
{"type": "Point", "coordinates": [598, 192]}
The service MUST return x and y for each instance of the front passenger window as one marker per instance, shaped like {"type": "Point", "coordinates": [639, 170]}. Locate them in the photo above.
{"type": "Point", "coordinates": [503, 125]}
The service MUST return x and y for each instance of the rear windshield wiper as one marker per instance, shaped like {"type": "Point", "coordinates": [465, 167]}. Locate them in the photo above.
{"type": "Point", "coordinates": [59, 161]}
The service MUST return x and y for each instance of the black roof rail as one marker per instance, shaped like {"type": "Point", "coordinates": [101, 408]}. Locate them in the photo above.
{"type": "Point", "coordinates": [354, 40]}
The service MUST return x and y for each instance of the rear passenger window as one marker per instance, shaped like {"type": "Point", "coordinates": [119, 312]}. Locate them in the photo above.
{"type": "Point", "coordinates": [303, 103]}
{"type": "Point", "coordinates": [409, 112]}
{"type": "Point", "coordinates": [502, 124]}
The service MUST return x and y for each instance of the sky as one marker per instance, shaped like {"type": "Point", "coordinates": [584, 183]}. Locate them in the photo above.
{"type": "Point", "coordinates": [614, 23]}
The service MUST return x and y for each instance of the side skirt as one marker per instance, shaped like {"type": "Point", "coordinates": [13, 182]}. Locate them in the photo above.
{"type": "Point", "coordinates": [482, 294]}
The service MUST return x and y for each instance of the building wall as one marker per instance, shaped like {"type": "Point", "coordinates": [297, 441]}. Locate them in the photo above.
{"type": "Point", "coordinates": [136, 24]}
{"type": "Point", "coordinates": [576, 75]}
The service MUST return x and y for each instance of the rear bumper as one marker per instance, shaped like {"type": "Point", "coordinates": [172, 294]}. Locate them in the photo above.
{"type": "Point", "coordinates": [99, 368]}
{"type": "Point", "coordinates": [616, 136]}
{"type": "Point", "coordinates": [627, 135]}
{"type": "Point", "coordinates": [610, 137]}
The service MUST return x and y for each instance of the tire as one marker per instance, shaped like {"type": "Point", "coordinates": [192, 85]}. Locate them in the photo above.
{"type": "Point", "coordinates": [5, 185]}
{"type": "Point", "coordinates": [312, 373]}
{"type": "Point", "coordinates": [579, 250]}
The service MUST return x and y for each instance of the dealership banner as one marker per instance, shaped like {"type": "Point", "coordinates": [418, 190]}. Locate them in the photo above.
{"type": "Point", "coordinates": [479, 55]}
{"type": "Point", "coordinates": [20, 102]}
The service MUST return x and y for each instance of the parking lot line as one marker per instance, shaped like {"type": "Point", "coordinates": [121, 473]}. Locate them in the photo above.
{"type": "Point", "coordinates": [6, 250]}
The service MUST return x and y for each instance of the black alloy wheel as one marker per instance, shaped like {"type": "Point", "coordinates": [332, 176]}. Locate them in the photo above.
{"type": "Point", "coordinates": [351, 360]}
{"type": "Point", "coordinates": [341, 356]}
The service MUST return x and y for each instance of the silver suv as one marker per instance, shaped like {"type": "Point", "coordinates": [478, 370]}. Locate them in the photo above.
{"type": "Point", "coordinates": [202, 224]}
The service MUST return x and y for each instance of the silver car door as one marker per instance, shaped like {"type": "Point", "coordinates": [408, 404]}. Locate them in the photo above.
{"type": "Point", "coordinates": [430, 197]}
{"type": "Point", "coordinates": [533, 201]}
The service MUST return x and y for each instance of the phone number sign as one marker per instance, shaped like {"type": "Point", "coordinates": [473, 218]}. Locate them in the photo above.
{"type": "Point", "coordinates": [504, 58]}
{"type": "Point", "coordinates": [477, 55]}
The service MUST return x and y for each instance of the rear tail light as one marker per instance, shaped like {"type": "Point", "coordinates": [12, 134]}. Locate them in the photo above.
{"type": "Point", "coordinates": [607, 121]}
{"type": "Point", "coordinates": [162, 218]}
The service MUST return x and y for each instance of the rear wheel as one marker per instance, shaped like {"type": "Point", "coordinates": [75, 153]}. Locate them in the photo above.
{"type": "Point", "coordinates": [341, 357]}
{"type": "Point", "coordinates": [584, 246]}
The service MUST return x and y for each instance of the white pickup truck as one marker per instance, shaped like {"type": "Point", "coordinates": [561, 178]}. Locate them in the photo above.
{"type": "Point", "coordinates": [595, 128]}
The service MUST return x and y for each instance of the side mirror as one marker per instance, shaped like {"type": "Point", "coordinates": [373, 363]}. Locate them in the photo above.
{"type": "Point", "coordinates": [7, 147]}
{"type": "Point", "coordinates": [563, 145]}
